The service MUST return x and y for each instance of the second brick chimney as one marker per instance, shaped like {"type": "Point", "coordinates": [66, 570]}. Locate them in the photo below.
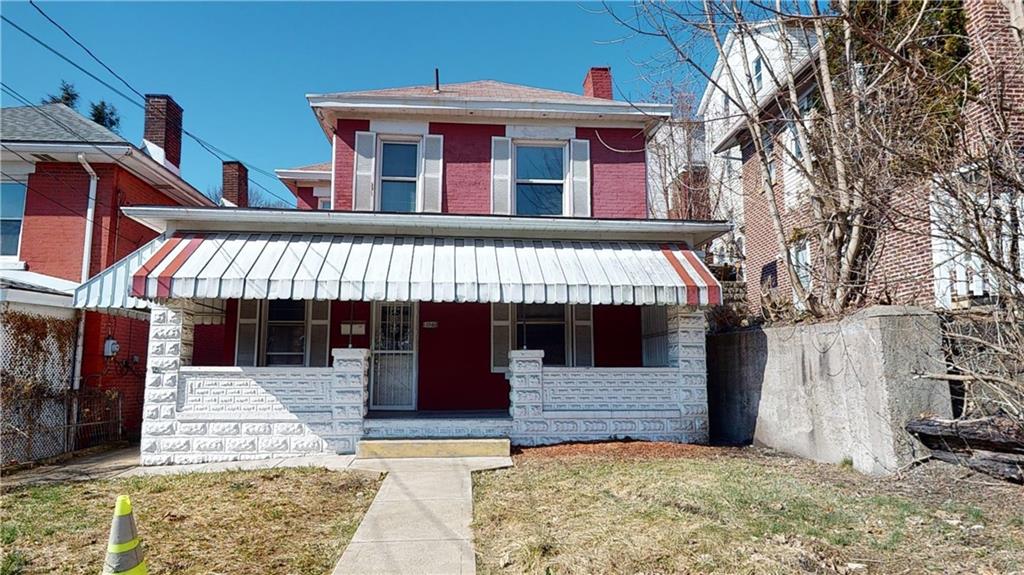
{"type": "Point", "coordinates": [598, 83]}
{"type": "Point", "coordinates": [236, 184]}
{"type": "Point", "coordinates": [163, 126]}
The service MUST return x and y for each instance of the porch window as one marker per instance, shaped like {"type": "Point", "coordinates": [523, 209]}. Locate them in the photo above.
{"type": "Point", "coordinates": [282, 332]}
{"type": "Point", "coordinates": [398, 176]}
{"type": "Point", "coordinates": [286, 332]}
{"type": "Point", "coordinates": [564, 332]}
{"type": "Point", "coordinates": [12, 212]}
{"type": "Point", "coordinates": [540, 180]}
{"type": "Point", "coordinates": [542, 326]}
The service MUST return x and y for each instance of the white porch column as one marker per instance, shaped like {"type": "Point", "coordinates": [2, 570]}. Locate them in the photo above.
{"type": "Point", "coordinates": [686, 351]}
{"type": "Point", "coordinates": [350, 398]}
{"type": "Point", "coordinates": [526, 395]}
{"type": "Point", "coordinates": [170, 347]}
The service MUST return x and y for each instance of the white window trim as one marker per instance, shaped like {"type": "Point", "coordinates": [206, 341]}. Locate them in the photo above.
{"type": "Point", "coordinates": [566, 175]}
{"type": "Point", "coordinates": [379, 168]}
{"type": "Point", "coordinates": [323, 203]}
{"type": "Point", "coordinates": [14, 262]}
{"type": "Point", "coordinates": [262, 328]}
{"type": "Point", "coordinates": [794, 250]}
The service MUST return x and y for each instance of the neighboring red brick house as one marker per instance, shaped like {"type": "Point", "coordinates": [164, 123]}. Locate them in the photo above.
{"type": "Point", "coordinates": [909, 264]}
{"type": "Point", "coordinates": [464, 243]}
{"type": "Point", "coordinates": [65, 180]}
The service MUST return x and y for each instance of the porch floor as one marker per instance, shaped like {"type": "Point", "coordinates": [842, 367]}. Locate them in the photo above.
{"type": "Point", "coordinates": [439, 414]}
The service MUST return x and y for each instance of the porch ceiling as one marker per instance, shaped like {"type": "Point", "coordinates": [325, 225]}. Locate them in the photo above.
{"type": "Point", "coordinates": [228, 265]}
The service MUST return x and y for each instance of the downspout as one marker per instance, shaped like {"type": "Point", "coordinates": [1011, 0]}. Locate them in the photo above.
{"type": "Point", "coordinates": [90, 214]}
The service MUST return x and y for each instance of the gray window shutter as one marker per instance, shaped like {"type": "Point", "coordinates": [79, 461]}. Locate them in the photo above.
{"type": "Point", "coordinates": [579, 157]}
{"type": "Point", "coordinates": [433, 176]}
{"type": "Point", "coordinates": [319, 334]}
{"type": "Point", "coordinates": [248, 332]}
{"type": "Point", "coordinates": [654, 327]}
{"type": "Point", "coordinates": [364, 177]}
{"type": "Point", "coordinates": [501, 175]}
{"type": "Point", "coordinates": [583, 336]}
{"type": "Point", "coordinates": [501, 335]}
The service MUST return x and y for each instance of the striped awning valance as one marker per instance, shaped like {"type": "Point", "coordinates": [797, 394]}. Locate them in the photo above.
{"type": "Point", "coordinates": [227, 265]}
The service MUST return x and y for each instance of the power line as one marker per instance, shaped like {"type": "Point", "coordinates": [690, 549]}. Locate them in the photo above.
{"type": "Point", "coordinates": [213, 150]}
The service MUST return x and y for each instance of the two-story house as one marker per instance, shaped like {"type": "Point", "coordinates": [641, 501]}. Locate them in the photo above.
{"type": "Point", "coordinates": [475, 260]}
{"type": "Point", "coordinates": [65, 181]}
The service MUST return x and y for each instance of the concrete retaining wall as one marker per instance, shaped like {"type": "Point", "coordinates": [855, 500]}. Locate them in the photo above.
{"type": "Point", "coordinates": [830, 391]}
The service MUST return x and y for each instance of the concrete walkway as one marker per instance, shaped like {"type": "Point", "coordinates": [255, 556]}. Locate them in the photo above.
{"type": "Point", "coordinates": [124, 462]}
{"type": "Point", "coordinates": [419, 522]}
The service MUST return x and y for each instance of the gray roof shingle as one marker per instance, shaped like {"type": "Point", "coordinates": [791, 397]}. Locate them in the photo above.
{"type": "Point", "coordinates": [55, 123]}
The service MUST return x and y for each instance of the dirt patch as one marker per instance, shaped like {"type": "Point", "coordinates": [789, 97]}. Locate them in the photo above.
{"type": "Point", "coordinates": [295, 520]}
{"type": "Point", "coordinates": [619, 449]}
{"type": "Point", "coordinates": [635, 507]}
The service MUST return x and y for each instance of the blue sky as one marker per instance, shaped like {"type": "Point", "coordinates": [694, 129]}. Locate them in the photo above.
{"type": "Point", "coordinates": [241, 70]}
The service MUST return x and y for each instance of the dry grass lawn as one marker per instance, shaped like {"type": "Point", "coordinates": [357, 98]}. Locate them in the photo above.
{"type": "Point", "coordinates": [663, 508]}
{"type": "Point", "coordinates": [295, 520]}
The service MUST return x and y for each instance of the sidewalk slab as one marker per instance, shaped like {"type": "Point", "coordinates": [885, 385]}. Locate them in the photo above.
{"type": "Point", "coordinates": [419, 522]}
{"type": "Point", "coordinates": [426, 557]}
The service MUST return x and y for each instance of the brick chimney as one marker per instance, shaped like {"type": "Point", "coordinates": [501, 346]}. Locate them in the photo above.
{"type": "Point", "coordinates": [236, 184]}
{"type": "Point", "coordinates": [598, 83]}
{"type": "Point", "coordinates": [163, 126]}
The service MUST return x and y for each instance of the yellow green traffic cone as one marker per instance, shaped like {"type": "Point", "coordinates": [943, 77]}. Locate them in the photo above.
{"type": "Point", "coordinates": [124, 550]}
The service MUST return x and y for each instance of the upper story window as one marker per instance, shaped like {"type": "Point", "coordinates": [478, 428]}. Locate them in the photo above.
{"type": "Point", "coordinates": [757, 73]}
{"type": "Point", "coordinates": [398, 176]}
{"type": "Point", "coordinates": [725, 106]}
{"type": "Point", "coordinates": [768, 142]}
{"type": "Point", "coordinates": [323, 203]}
{"type": "Point", "coordinates": [12, 212]}
{"type": "Point", "coordinates": [540, 179]}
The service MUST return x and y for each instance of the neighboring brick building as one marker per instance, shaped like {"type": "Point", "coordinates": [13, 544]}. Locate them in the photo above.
{"type": "Point", "coordinates": [47, 156]}
{"type": "Point", "coordinates": [907, 267]}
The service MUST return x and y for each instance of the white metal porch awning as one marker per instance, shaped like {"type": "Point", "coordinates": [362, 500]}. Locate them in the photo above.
{"type": "Point", "coordinates": [226, 265]}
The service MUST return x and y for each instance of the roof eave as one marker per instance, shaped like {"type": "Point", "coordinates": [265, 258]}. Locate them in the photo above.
{"type": "Point", "coordinates": [129, 157]}
{"type": "Point", "coordinates": [303, 175]}
{"type": "Point", "coordinates": [165, 219]}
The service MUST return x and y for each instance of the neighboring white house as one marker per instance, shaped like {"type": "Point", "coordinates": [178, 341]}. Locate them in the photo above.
{"type": "Point", "coordinates": [750, 73]}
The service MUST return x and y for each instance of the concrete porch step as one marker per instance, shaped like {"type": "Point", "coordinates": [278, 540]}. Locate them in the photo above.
{"type": "Point", "coordinates": [405, 448]}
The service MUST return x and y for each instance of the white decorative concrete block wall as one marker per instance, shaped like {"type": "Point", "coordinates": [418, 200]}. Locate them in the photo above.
{"type": "Point", "coordinates": [687, 351]}
{"type": "Point", "coordinates": [554, 404]}
{"type": "Point", "coordinates": [206, 414]}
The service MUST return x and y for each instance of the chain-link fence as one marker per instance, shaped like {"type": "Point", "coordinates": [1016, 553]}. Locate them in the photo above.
{"type": "Point", "coordinates": [40, 416]}
{"type": "Point", "coordinates": [49, 423]}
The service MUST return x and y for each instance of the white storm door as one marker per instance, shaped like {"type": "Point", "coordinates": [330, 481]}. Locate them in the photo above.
{"type": "Point", "coordinates": [393, 371]}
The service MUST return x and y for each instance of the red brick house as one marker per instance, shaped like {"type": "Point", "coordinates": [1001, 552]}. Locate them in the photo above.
{"type": "Point", "coordinates": [911, 265]}
{"type": "Point", "coordinates": [476, 260]}
{"type": "Point", "coordinates": [65, 181]}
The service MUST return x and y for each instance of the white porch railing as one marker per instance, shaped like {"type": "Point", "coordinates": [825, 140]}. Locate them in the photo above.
{"type": "Point", "coordinates": [208, 414]}
{"type": "Point", "coordinates": [558, 404]}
